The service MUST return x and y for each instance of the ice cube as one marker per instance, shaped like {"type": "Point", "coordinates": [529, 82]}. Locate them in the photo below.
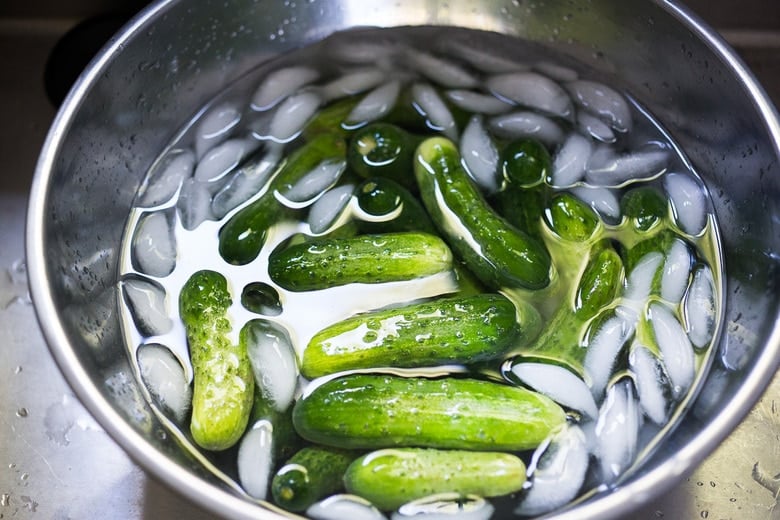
{"type": "Point", "coordinates": [147, 304]}
{"type": "Point", "coordinates": [480, 155]}
{"type": "Point", "coordinates": [255, 459]}
{"type": "Point", "coordinates": [154, 245]}
{"type": "Point", "coordinates": [167, 177]}
{"type": "Point", "coordinates": [603, 101]}
{"type": "Point", "coordinates": [431, 106]}
{"type": "Point", "coordinates": [274, 362]}
{"type": "Point", "coordinates": [532, 90]}
{"type": "Point", "coordinates": [164, 377]}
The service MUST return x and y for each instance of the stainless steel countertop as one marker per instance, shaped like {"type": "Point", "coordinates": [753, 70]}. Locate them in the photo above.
{"type": "Point", "coordinates": [56, 462]}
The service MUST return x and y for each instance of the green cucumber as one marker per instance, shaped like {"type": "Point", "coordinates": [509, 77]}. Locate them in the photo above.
{"type": "Point", "coordinates": [571, 219]}
{"type": "Point", "coordinates": [243, 236]}
{"type": "Point", "coordinates": [561, 340]}
{"type": "Point", "coordinates": [383, 411]}
{"type": "Point", "coordinates": [644, 207]}
{"type": "Point", "coordinates": [383, 150]}
{"type": "Point", "coordinates": [330, 119]}
{"type": "Point", "coordinates": [525, 163]}
{"type": "Point", "coordinates": [389, 207]}
{"type": "Point", "coordinates": [501, 255]}
{"type": "Point", "coordinates": [324, 262]}
{"type": "Point", "coordinates": [455, 330]}
{"type": "Point", "coordinates": [390, 478]}
{"type": "Point", "coordinates": [223, 384]}
{"type": "Point", "coordinates": [311, 474]}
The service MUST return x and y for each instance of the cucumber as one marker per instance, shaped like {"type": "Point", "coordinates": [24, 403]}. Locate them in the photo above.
{"type": "Point", "coordinates": [330, 119]}
{"type": "Point", "coordinates": [329, 262]}
{"type": "Point", "coordinates": [389, 207]}
{"type": "Point", "coordinates": [390, 478]}
{"type": "Point", "coordinates": [311, 474]}
{"type": "Point", "coordinates": [561, 340]}
{"type": "Point", "coordinates": [223, 384]}
{"type": "Point", "coordinates": [383, 150]}
{"type": "Point", "coordinates": [243, 236]}
{"type": "Point", "coordinates": [383, 411]}
{"type": "Point", "coordinates": [644, 207]}
{"type": "Point", "coordinates": [456, 330]}
{"type": "Point", "coordinates": [501, 255]}
{"type": "Point", "coordinates": [571, 219]}
{"type": "Point", "coordinates": [525, 163]}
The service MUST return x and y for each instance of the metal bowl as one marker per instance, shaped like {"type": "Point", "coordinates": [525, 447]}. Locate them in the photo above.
{"type": "Point", "coordinates": [175, 55]}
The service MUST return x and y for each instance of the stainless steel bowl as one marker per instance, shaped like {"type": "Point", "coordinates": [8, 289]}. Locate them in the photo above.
{"type": "Point", "coordinates": [175, 55]}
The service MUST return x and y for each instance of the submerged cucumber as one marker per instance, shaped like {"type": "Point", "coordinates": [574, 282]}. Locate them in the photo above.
{"type": "Point", "coordinates": [389, 207]}
{"type": "Point", "coordinates": [457, 330]}
{"type": "Point", "coordinates": [390, 478]}
{"type": "Point", "coordinates": [243, 236]}
{"type": "Point", "coordinates": [383, 150]}
{"type": "Point", "coordinates": [498, 253]}
{"type": "Point", "coordinates": [644, 207]}
{"type": "Point", "coordinates": [324, 262]}
{"type": "Point", "coordinates": [572, 219]}
{"type": "Point", "coordinates": [312, 473]}
{"type": "Point", "coordinates": [383, 411]}
{"type": "Point", "coordinates": [223, 381]}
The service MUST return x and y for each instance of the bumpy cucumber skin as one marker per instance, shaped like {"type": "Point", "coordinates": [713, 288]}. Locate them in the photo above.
{"type": "Point", "coordinates": [644, 207]}
{"type": "Point", "coordinates": [498, 253]}
{"type": "Point", "coordinates": [560, 342]}
{"type": "Point", "coordinates": [243, 236]}
{"type": "Point", "coordinates": [572, 219]}
{"type": "Point", "coordinates": [390, 478]}
{"type": "Point", "coordinates": [382, 411]}
{"type": "Point", "coordinates": [323, 263]}
{"type": "Point", "coordinates": [454, 330]}
{"type": "Point", "coordinates": [223, 388]}
{"type": "Point", "coordinates": [311, 474]}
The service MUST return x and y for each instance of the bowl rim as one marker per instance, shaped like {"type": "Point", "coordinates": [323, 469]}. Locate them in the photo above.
{"type": "Point", "coordinates": [223, 502]}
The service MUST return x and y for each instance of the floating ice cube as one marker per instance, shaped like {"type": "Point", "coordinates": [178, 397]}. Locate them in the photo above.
{"type": "Point", "coordinates": [701, 307]}
{"type": "Point", "coordinates": [194, 204]}
{"type": "Point", "coordinates": [154, 245]}
{"type": "Point", "coordinates": [222, 159]}
{"type": "Point", "coordinates": [556, 71]}
{"type": "Point", "coordinates": [518, 125]}
{"type": "Point", "coordinates": [559, 384]}
{"type": "Point", "coordinates": [280, 84]}
{"type": "Point", "coordinates": [375, 105]}
{"type": "Point", "coordinates": [313, 184]}
{"type": "Point", "coordinates": [603, 348]}
{"type": "Point", "coordinates": [273, 360]}
{"type": "Point", "coordinates": [568, 166]}
{"type": "Point", "coordinates": [602, 101]}
{"type": "Point", "coordinates": [485, 60]}
{"type": "Point", "coordinates": [446, 506]}
{"type": "Point", "coordinates": [326, 210]}
{"type": "Point", "coordinates": [167, 177]}
{"type": "Point", "coordinates": [147, 306]}
{"type": "Point", "coordinates": [476, 102]}
{"type": "Point", "coordinates": [441, 71]}
{"type": "Point", "coordinates": [433, 108]}
{"type": "Point", "coordinates": [215, 127]}
{"type": "Point", "coordinates": [591, 125]}
{"type": "Point", "coordinates": [531, 90]}
{"type": "Point", "coordinates": [292, 115]}
{"type": "Point", "coordinates": [617, 430]}
{"type": "Point", "coordinates": [480, 154]}
{"type": "Point", "coordinates": [363, 51]}
{"type": "Point", "coordinates": [675, 347]}
{"type": "Point", "coordinates": [688, 203]}
{"type": "Point", "coordinates": [602, 200]}
{"type": "Point", "coordinates": [640, 281]}
{"type": "Point", "coordinates": [677, 269]}
{"type": "Point", "coordinates": [351, 83]}
{"type": "Point", "coordinates": [164, 377]}
{"type": "Point", "coordinates": [559, 470]}
{"type": "Point", "coordinates": [341, 507]}
{"type": "Point", "coordinates": [246, 182]}
{"type": "Point", "coordinates": [255, 459]}
{"type": "Point", "coordinates": [651, 383]}
{"type": "Point", "coordinates": [608, 168]}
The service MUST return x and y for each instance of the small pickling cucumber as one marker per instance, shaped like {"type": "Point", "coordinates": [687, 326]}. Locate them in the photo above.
{"type": "Point", "coordinates": [383, 150]}
{"type": "Point", "coordinates": [392, 477]}
{"type": "Point", "coordinates": [460, 330]}
{"type": "Point", "coordinates": [560, 342]}
{"type": "Point", "coordinates": [311, 474]}
{"type": "Point", "coordinates": [386, 206]}
{"type": "Point", "coordinates": [243, 236]}
{"type": "Point", "coordinates": [223, 385]}
{"type": "Point", "coordinates": [330, 119]}
{"type": "Point", "coordinates": [571, 219]}
{"type": "Point", "coordinates": [383, 411]}
{"type": "Point", "coordinates": [501, 255]}
{"type": "Point", "coordinates": [644, 207]}
{"type": "Point", "coordinates": [329, 262]}
{"type": "Point", "coordinates": [525, 163]}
